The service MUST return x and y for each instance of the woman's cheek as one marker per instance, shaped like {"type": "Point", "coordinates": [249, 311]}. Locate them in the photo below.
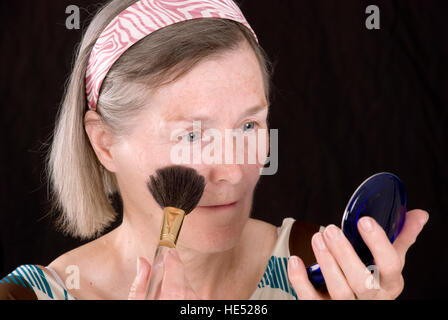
{"type": "Point", "coordinates": [253, 174]}
{"type": "Point", "coordinates": [148, 156]}
{"type": "Point", "coordinates": [136, 162]}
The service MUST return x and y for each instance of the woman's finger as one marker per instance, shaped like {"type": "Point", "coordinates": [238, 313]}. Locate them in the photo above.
{"type": "Point", "coordinates": [351, 266]}
{"type": "Point", "coordinates": [299, 279]}
{"type": "Point", "coordinates": [141, 281]}
{"type": "Point", "coordinates": [414, 223]}
{"type": "Point", "coordinates": [384, 254]}
{"type": "Point", "coordinates": [335, 280]}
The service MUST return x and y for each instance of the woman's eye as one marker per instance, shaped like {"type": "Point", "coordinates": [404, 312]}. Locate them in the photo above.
{"type": "Point", "coordinates": [192, 136]}
{"type": "Point", "coordinates": [249, 126]}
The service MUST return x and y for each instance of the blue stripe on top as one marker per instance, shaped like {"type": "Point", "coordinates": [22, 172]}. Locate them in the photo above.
{"type": "Point", "coordinates": [33, 276]}
{"type": "Point", "coordinates": [23, 276]}
{"type": "Point", "coordinates": [22, 280]}
{"type": "Point", "coordinates": [39, 278]}
{"type": "Point", "coordinates": [276, 276]}
{"type": "Point", "coordinates": [13, 279]}
{"type": "Point", "coordinates": [44, 280]}
{"type": "Point", "coordinates": [30, 276]}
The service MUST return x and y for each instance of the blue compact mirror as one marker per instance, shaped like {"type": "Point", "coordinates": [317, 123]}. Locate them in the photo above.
{"type": "Point", "coordinates": [382, 197]}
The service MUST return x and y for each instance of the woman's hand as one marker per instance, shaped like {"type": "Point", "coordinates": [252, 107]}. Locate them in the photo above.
{"type": "Point", "coordinates": [346, 277]}
{"type": "Point", "coordinates": [174, 284]}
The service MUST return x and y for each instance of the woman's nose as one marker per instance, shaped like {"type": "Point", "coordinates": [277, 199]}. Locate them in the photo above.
{"type": "Point", "coordinates": [232, 173]}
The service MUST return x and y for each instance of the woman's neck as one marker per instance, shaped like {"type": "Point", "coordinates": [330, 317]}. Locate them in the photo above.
{"type": "Point", "coordinates": [211, 275]}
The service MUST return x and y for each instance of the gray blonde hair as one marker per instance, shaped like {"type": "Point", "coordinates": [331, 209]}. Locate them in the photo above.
{"type": "Point", "coordinates": [80, 186]}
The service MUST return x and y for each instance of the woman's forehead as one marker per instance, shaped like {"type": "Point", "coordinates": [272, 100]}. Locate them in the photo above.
{"type": "Point", "coordinates": [231, 80]}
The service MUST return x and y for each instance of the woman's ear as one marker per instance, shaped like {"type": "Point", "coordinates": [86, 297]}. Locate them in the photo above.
{"type": "Point", "coordinates": [100, 138]}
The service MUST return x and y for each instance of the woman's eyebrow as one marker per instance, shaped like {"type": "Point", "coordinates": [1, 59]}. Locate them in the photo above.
{"type": "Point", "coordinates": [254, 110]}
{"type": "Point", "coordinates": [180, 117]}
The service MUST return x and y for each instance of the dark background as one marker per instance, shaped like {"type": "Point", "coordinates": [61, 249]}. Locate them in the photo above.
{"type": "Point", "coordinates": [348, 102]}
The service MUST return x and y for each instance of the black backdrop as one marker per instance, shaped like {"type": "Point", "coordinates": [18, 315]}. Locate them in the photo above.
{"type": "Point", "coordinates": [348, 102]}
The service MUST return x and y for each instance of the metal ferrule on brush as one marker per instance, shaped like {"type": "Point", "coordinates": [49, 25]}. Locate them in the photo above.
{"type": "Point", "coordinates": [171, 224]}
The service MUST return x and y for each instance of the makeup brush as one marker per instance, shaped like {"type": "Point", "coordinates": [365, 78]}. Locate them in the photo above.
{"type": "Point", "coordinates": [177, 190]}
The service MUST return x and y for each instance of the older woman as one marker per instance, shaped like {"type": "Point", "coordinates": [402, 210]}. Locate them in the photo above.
{"type": "Point", "coordinates": [144, 70]}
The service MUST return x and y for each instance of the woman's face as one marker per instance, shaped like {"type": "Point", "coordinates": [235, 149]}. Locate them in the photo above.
{"type": "Point", "coordinates": [219, 92]}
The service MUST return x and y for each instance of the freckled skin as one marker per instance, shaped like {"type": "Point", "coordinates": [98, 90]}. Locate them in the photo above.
{"type": "Point", "coordinates": [213, 246]}
{"type": "Point", "coordinates": [222, 88]}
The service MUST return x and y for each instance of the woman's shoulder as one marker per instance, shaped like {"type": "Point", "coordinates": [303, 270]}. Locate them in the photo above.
{"type": "Point", "coordinates": [77, 257]}
{"type": "Point", "coordinates": [79, 268]}
{"type": "Point", "coordinates": [84, 256]}
{"type": "Point", "coordinates": [68, 266]}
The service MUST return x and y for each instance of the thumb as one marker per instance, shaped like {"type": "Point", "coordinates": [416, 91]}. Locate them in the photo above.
{"type": "Point", "coordinates": [141, 281]}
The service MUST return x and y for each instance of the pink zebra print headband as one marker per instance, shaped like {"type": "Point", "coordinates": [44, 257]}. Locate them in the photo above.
{"type": "Point", "coordinates": [141, 19]}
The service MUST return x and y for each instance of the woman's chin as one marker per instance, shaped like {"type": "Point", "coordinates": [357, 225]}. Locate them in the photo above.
{"type": "Point", "coordinates": [211, 240]}
{"type": "Point", "coordinates": [211, 231]}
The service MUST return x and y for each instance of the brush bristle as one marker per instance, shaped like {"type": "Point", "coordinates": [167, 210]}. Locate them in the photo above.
{"type": "Point", "coordinates": [177, 186]}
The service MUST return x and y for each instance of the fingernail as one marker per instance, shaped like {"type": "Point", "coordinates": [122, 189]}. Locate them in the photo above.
{"type": "Point", "coordinates": [319, 242]}
{"type": "Point", "coordinates": [294, 262]}
{"type": "Point", "coordinates": [332, 232]}
{"type": "Point", "coordinates": [138, 266]}
{"type": "Point", "coordinates": [366, 224]}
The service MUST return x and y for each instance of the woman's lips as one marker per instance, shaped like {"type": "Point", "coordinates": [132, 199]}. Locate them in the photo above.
{"type": "Point", "coordinates": [220, 207]}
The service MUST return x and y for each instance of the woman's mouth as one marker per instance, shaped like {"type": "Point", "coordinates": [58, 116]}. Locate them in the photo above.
{"type": "Point", "coordinates": [219, 207]}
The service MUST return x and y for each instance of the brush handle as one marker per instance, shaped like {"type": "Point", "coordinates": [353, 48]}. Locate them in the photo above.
{"type": "Point", "coordinates": [156, 275]}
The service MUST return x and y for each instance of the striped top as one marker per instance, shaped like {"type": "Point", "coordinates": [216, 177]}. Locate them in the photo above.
{"type": "Point", "coordinates": [36, 282]}
{"type": "Point", "coordinates": [275, 284]}
{"type": "Point", "coordinates": [33, 282]}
